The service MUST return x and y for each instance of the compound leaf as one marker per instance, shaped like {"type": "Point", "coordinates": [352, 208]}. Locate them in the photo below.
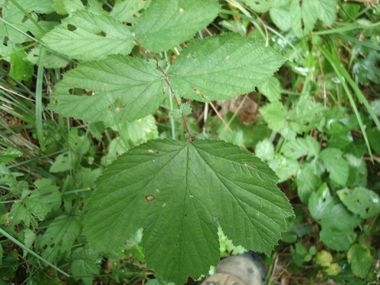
{"type": "Point", "coordinates": [167, 23]}
{"type": "Point", "coordinates": [115, 89]}
{"type": "Point", "coordinates": [88, 36]}
{"type": "Point", "coordinates": [179, 192]}
{"type": "Point", "coordinates": [222, 67]}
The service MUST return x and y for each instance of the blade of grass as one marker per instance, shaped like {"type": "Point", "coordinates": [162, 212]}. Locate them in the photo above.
{"type": "Point", "coordinates": [337, 68]}
{"type": "Point", "coordinates": [40, 133]}
{"type": "Point", "coordinates": [354, 86]}
{"type": "Point", "coordinates": [32, 252]}
{"type": "Point", "coordinates": [353, 40]}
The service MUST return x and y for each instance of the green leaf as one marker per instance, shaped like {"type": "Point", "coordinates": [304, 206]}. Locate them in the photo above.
{"type": "Point", "coordinates": [271, 89]}
{"type": "Point", "coordinates": [361, 201]}
{"type": "Point", "coordinates": [323, 207]}
{"type": "Point", "coordinates": [51, 60]}
{"type": "Point", "coordinates": [275, 115]}
{"type": "Point", "coordinates": [284, 167]}
{"type": "Point", "coordinates": [128, 10]}
{"type": "Point", "coordinates": [88, 36]}
{"type": "Point", "coordinates": [83, 269]}
{"type": "Point", "coordinates": [357, 176]}
{"type": "Point", "coordinates": [121, 88]}
{"type": "Point", "coordinates": [281, 18]}
{"type": "Point", "coordinates": [64, 7]}
{"type": "Point", "coordinates": [9, 37]}
{"type": "Point", "coordinates": [222, 67]}
{"type": "Point", "coordinates": [59, 236]}
{"type": "Point", "coordinates": [365, 69]}
{"type": "Point", "coordinates": [64, 162]}
{"type": "Point", "coordinates": [137, 132]}
{"type": "Point", "coordinates": [44, 199]}
{"type": "Point", "coordinates": [300, 147]}
{"type": "Point", "coordinates": [167, 23]}
{"type": "Point", "coordinates": [374, 138]}
{"type": "Point", "coordinates": [21, 69]}
{"type": "Point", "coordinates": [307, 182]}
{"type": "Point", "coordinates": [10, 154]}
{"type": "Point", "coordinates": [38, 202]}
{"type": "Point", "coordinates": [304, 16]}
{"type": "Point", "coordinates": [179, 192]}
{"type": "Point", "coordinates": [264, 150]}
{"type": "Point", "coordinates": [259, 6]}
{"type": "Point", "coordinates": [375, 105]}
{"type": "Point", "coordinates": [360, 258]}
{"type": "Point", "coordinates": [337, 239]}
{"type": "Point", "coordinates": [327, 10]}
{"type": "Point", "coordinates": [78, 144]}
{"type": "Point", "coordinates": [324, 258]}
{"type": "Point", "coordinates": [306, 12]}
{"type": "Point", "coordinates": [335, 164]}
{"type": "Point", "coordinates": [29, 238]}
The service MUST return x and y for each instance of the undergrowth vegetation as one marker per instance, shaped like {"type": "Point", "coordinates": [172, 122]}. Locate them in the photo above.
{"type": "Point", "coordinates": [141, 141]}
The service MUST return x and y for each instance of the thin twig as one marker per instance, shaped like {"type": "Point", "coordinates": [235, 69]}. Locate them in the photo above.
{"type": "Point", "coordinates": [238, 109]}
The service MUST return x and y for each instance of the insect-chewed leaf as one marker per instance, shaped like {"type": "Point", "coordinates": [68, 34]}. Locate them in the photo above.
{"type": "Point", "coordinates": [167, 23]}
{"type": "Point", "coordinates": [179, 193]}
{"type": "Point", "coordinates": [88, 36]}
{"type": "Point", "coordinates": [117, 88]}
{"type": "Point", "coordinates": [222, 67]}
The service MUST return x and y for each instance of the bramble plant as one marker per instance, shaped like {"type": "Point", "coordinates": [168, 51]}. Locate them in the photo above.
{"type": "Point", "coordinates": [184, 196]}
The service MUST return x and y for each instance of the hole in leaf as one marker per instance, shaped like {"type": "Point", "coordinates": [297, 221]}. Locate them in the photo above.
{"type": "Point", "coordinates": [367, 210]}
{"type": "Point", "coordinates": [5, 42]}
{"type": "Point", "coordinates": [24, 19]}
{"type": "Point", "coordinates": [176, 245]}
{"type": "Point", "coordinates": [81, 92]}
{"type": "Point", "coordinates": [103, 34]}
{"type": "Point", "coordinates": [302, 24]}
{"type": "Point", "coordinates": [71, 28]}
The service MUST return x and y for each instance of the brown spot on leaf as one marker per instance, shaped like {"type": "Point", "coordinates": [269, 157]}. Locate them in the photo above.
{"type": "Point", "coordinates": [149, 198]}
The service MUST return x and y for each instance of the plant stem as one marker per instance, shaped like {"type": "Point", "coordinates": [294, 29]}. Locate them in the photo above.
{"type": "Point", "coordinates": [167, 81]}
{"type": "Point", "coordinates": [170, 113]}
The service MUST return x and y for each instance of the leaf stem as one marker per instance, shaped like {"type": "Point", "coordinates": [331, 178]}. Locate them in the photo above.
{"type": "Point", "coordinates": [167, 81]}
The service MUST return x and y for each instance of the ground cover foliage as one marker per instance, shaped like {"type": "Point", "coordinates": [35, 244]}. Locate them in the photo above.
{"type": "Point", "coordinates": [143, 140]}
